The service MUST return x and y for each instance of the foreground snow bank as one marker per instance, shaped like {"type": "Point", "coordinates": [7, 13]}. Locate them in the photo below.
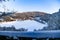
{"type": "Point", "coordinates": [28, 24]}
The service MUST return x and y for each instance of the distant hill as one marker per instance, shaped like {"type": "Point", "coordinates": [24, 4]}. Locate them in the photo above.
{"type": "Point", "coordinates": [25, 16]}
{"type": "Point", "coordinates": [28, 15]}
{"type": "Point", "coordinates": [53, 20]}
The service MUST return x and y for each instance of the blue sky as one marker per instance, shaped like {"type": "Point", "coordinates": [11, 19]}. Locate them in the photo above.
{"type": "Point", "coordinates": [49, 6]}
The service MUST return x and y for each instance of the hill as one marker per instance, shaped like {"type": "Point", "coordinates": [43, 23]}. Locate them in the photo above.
{"type": "Point", "coordinates": [24, 16]}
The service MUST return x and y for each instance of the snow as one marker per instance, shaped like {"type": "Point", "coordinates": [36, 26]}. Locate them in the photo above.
{"type": "Point", "coordinates": [28, 24]}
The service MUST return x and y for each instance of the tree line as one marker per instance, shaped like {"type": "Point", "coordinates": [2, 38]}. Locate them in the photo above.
{"type": "Point", "coordinates": [12, 28]}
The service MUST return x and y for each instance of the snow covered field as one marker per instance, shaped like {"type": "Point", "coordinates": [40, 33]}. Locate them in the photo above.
{"type": "Point", "coordinates": [28, 24]}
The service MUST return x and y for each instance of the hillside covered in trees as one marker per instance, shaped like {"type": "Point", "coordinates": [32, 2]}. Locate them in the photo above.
{"type": "Point", "coordinates": [53, 20]}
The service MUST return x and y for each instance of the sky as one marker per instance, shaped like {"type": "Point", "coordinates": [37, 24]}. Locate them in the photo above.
{"type": "Point", "coordinates": [48, 6]}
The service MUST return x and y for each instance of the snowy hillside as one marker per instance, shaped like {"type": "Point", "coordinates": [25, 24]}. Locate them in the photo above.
{"type": "Point", "coordinates": [28, 24]}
